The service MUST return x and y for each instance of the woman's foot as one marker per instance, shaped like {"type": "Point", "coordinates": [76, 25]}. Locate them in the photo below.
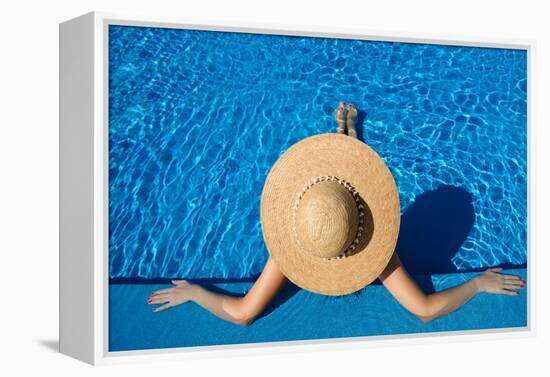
{"type": "Point", "coordinates": [351, 120]}
{"type": "Point", "coordinates": [340, 115]}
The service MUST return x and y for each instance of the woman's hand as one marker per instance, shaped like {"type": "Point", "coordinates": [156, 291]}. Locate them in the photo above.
{"type": "Point", "coordinates": [491, 281]}
{"type": "Point", "coordinates": [170, 297]}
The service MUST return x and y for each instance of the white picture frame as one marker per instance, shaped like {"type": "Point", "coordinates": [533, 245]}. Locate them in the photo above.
{"type": "Point", "coordinates": [84, 191]}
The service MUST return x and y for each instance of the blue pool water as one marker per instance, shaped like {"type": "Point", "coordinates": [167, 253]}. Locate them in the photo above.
{"type": "Point", "coordinates": [197, 118]}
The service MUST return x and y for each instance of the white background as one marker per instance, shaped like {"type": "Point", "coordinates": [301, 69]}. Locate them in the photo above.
{"type": "Point", "coordinates": [29, 189]}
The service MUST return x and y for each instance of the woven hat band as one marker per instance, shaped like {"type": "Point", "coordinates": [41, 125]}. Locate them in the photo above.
{"type": "Point", "coordinates": [326, 217]}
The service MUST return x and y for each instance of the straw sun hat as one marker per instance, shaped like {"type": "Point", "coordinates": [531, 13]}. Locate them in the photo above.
{"type": "Point", "coordinates": [330, 214]}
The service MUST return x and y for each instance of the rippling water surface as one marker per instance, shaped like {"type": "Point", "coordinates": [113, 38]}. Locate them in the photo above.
{"type": "Point", "coordinates": [197, 118]}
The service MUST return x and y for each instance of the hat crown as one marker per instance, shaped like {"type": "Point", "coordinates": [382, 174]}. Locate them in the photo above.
{"type": "Point", "coordinates": [326, 219]}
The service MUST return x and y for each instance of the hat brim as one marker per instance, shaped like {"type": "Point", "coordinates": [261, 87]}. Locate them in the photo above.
{"type": "Point", "coordinates": [349, 159]}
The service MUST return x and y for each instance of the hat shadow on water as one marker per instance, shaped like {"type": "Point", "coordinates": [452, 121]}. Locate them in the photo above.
{"type": "Point", "coordinates": [432, 230]}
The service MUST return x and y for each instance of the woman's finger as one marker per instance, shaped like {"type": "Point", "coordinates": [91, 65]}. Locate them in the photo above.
{"type": "Point", "coordinates": [161, 291]}
{"type": "Point", "coordinates": [179, 282]}
{"type": "Point", "coordinates": [158, 299]}
{"type": "Point", "coordinates": [509, 293]}
{"type": "Point", "coordinates": [511, 277]}
{"type": "Point", "coordinates": [163, 307]}
{"type": "Point", "coordinates": [496, 269]}
{"type": "Point", "coordinates": [513, 282]}
{"type": "Point", "coordinates": [512, 285]}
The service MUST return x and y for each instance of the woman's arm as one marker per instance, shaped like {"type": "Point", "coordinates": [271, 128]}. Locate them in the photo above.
{"type": "Point", "coordinates": [428, 307]}
{"type": "Point", "coordinates": [239, 310]}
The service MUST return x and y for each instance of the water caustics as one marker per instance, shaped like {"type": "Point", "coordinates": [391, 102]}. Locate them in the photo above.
{"type": "Point", "coordinates": [197, 119]}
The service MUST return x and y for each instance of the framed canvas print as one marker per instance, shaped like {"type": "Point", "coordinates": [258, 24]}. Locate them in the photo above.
{"type": "Point", "coordinates": [237, 188]}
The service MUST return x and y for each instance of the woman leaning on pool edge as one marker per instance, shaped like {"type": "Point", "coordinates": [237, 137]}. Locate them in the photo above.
{"type": "Point", "coordinates": [243, 310]}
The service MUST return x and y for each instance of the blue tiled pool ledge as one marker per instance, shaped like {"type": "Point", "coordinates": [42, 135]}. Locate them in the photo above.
{"type": "Point", "coordinates": [299, 315]}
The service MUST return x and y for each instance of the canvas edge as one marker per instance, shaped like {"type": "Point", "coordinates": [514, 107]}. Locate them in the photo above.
{"type": "Point", "coordinates": [76, 191]}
